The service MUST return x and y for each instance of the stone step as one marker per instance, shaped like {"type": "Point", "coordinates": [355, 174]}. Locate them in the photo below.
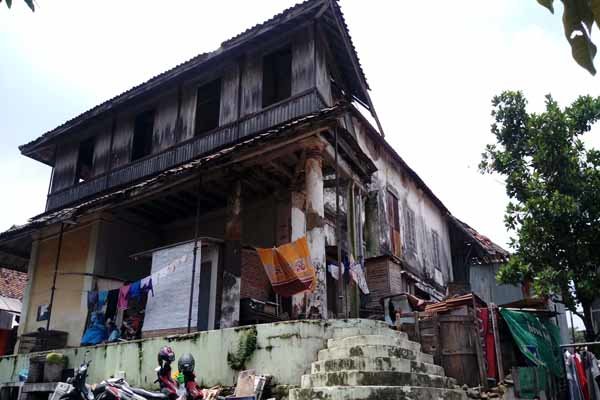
{"type": "Point", "coordinates": [372, 351]}
{"type": "Point", "coordinates": [351, 341]}
{"type": "Point", "coordinates": [375, 378]}
{"type": "Point", "coordinates": [376, 364]}
{"type": "Point", "coordinates": [377, 392]}
{"type": "Point", "coordinates": [383, 329]}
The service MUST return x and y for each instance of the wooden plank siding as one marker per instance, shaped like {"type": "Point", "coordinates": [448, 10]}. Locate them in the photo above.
{"type": "Point", "coordinates": [173, 138]}
{"type": "Point", "coordinates": [186, 151]}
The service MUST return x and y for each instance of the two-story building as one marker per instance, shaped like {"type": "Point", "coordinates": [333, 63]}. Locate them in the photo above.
{"type": "Point", "coordinates": [243, 147]}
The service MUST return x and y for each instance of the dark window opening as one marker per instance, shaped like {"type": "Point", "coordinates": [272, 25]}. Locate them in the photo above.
{"type": "Point", "coordinates": [142, 135]}
{"type": "Point", "coordinates": [85, 160]}
{"type": "Point", "coordinates": [277, 76]}
{"type": "Point", "coordinates": [208, 107]}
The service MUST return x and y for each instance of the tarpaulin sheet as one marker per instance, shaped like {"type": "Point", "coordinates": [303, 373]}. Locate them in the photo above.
{"type": "Point", "coordinates": [538, 339]}
{"type": "Point", "coordinates": [289, 268]}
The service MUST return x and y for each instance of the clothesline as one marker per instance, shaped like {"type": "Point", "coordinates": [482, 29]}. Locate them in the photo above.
{"type": "Point", "coordinates": [579, 344]}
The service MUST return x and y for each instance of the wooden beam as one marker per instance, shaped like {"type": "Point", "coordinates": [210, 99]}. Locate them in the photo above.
{"type": "Point", "coordinates": [356, 65]}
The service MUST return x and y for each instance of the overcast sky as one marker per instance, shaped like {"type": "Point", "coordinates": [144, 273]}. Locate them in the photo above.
{"type": "Point", "coordinates": [433, 68]}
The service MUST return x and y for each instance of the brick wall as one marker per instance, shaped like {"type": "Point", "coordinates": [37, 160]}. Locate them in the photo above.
{"type": "Point", "coordinates": [12, 283]}
{"type": "Point", "coordinates": [255, 283]}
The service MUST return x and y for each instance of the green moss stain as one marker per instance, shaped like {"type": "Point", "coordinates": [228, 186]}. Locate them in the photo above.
{"type": "Point", "coordinates": [246, 347]}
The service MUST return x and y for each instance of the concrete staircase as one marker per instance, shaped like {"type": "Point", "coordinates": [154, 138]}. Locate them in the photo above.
{"type": "Point", "coordinates": [386, 366]}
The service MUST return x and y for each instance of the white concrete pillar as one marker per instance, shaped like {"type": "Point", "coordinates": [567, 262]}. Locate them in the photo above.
{"type": "Point", "coordinates": [316, 302]}
{"type": "Point", "coordinates": [231, 279]}
{"type": "Point", "coordinates": [26, 312]}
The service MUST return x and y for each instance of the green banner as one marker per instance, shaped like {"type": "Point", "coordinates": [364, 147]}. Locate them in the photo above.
{"type": "Point", "coordinates": [537, 338]}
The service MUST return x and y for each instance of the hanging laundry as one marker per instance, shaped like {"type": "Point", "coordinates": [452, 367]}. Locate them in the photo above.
{"type": "Point", "coordinates": [92, 300]}
{"type": "Point", "coordinates": [146, 284]}
{"type": "Point", "coordinates": [123, 298]}
{"type": "Point", "coordinates": [112, 299]}
{"type": "Point", "coordinates": [581, 376]}
{"type": "Point", "coordinates": [335, 271]}
{"type": "Point", "coordinates": [489, 343]}
{"type": "Point", "coordinates": [358, 276]}
{"type": "Point", "coordinates": [96, 333]}
{"type": "Point", "coordinates": [102, 295]}
{"type": "Point", "coordinates": [289, 268]}
{"type": "Point", "coordinates": [571, 370]}
{"type": "Point", "coordinates": [135, 290]}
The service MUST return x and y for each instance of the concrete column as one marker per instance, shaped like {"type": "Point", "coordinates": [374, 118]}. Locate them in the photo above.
{"type": "Point", "coordinates": [25, 307]}
{"type": "Point", "coordinates": [232, 264]}
{"type": "Point", "coordinates": [316, 302]}
{"type": "Point", "coordinates": [298, 229]}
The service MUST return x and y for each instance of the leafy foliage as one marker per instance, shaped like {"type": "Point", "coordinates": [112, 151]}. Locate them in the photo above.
{"type": "Point", "coordinates": [246, 347]}
{"type": "Point", "coordinates": [553, 182]}
{"type": "Point", "coordinates": [578, 19]}
{"type": "Point", "coordinates": [28, 2]}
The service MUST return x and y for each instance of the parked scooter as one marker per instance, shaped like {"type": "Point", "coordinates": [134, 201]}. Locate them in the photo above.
{"type": "Point", "coordinates": [167, 384]}
{"type": "Point", "coordinates": [119, 389]}
{"type": "Point", "coordinates": [186, 366]}
{"type": "Point", "coordinates": [78, 389]}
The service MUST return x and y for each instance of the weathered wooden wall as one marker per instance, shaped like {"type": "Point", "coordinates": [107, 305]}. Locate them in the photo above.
{"type": "Point", "coordinates": [241, 98]}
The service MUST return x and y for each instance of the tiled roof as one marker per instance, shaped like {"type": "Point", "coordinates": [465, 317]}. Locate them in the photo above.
{"type": "Point", "coordinates": [490, 252]}
{"type": "Point", "coordinates": [12, 283]}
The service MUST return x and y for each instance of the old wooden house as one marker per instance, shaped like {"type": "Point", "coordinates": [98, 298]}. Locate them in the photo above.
{"type": "Point", "coordinates": [243, 147]}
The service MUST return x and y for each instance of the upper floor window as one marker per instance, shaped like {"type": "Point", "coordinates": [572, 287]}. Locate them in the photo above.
{"type": "Point", "coordinates": [85, 160]}
{"type": "Point", "coordinates": [394, 218]}
{"type": "Point", "coordinates": [435, 239]}
{"type": "Point", "coordinates": [142, 135]}
{"type": "Point", "coordinates": [208, 107]}
{"type": "Point", "coordinates": [277, 76]}
{"type": "Point", "coordinates": [410, 233]}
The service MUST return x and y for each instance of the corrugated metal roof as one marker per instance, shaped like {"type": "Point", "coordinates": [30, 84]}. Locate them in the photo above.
{"type": "Point", "coordinates": [10, 305]}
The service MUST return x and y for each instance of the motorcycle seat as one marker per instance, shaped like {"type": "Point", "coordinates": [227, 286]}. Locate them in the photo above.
{"type": "Point", "coordinates": [149, 395]}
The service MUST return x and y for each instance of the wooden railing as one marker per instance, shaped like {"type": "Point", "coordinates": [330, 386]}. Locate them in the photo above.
{"type": "Point", "coordinates": [294, 107]}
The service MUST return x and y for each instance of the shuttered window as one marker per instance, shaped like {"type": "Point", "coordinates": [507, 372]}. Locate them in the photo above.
{"type": "Point", "coordinates": [435, 240]}
{"type": "Point", "coordinates": [410, 233]}
{"type": "Point", "coordinates": [394, 218]}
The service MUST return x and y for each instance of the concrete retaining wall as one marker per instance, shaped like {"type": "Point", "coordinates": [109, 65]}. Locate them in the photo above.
{"type": "Point", "coordinates": [285, 350]}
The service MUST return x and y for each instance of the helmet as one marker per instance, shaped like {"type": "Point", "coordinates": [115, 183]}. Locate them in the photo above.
{"type": "Point", "coordinates": [186, 363]}
{"type": "Point", "coordinates": [166, 354]}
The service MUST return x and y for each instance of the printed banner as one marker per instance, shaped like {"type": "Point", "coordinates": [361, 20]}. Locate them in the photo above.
{"type": "Point", "coordinates": [289, 268]}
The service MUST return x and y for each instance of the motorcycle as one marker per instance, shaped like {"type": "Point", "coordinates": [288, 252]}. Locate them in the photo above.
{"type": "Point", "coordinates": [186, 366]}
{"type": "Point", "coordinates": [76, 388]}
{"type": "Point", "coordinates": [119, 389]}
{"type": "Point", "coordinates": [167, 384]}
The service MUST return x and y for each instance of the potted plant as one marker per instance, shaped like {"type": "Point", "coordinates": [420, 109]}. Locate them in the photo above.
{"type": "Point", "coordinates": [54, 366]}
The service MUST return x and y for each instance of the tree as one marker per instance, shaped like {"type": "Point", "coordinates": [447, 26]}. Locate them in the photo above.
{"type": "Point", "coordinates": [578, 18]}
{"type": "Point", "coordinates": [553, 182]}
{"type": "Point", "coordinates": [28, 2]}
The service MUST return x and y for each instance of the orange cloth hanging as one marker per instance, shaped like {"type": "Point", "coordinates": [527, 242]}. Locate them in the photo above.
{"type": "Point", "coordinates": [289, 268]}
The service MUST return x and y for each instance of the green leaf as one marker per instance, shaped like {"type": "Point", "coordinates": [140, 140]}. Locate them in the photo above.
{"type": "Point", "coordinates": [8, 3]}
{"type": "Point", "coordinates": [577, 22]}
{"type": "Point", "coordinates": [548, 4]}
{"type": "Point", "coordinates": [30, 4]}
{"type": "Point", "coordinates": [595, 7]}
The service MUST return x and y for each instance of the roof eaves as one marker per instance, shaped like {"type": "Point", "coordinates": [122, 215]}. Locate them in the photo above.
{"type": "Point", "coordinates": [171, 73]}
{"type": "Point", "coordinates": [66, 213]}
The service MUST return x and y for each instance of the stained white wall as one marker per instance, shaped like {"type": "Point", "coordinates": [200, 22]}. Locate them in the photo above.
{"type": "Point", "coordinates": [429, 217]}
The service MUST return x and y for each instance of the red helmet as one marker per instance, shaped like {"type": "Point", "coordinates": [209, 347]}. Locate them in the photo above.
{"type": "Point", "coordinates": [166, 354]}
